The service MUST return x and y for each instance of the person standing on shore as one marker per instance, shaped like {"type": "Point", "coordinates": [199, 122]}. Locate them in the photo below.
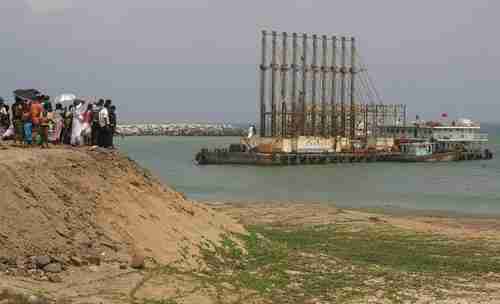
{"type": "Point", "coordinates": [52, 122]}
{"type": "Point", "coordinates": [77, 126]}
{"type": "Point", "coordinates": [4, 117]}
{"type": "Point", "coordinates": [112, 122]}
{"type": "Point", "coordinates": [27, 124]}
{"type": "Point", "coordinates": [87, 128]}
{"type": "Point", "coordinates": [104, 126]}
{"type": "Point", "coordinates": [45, 121]}
{"type": "Point", "coordinates": [96, 128]}
{"type": "Point", "coordinates": [17, 118]}
{"type": "Point", "coordinates": [58, 124]}
{"type": "Point", "coordinates": [36, 109]}
{"type": "Point", "coordinates": [67, 121]}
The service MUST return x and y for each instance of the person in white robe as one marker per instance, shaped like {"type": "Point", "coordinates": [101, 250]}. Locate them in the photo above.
{"type": "Point", "coordinates": [78, 124]}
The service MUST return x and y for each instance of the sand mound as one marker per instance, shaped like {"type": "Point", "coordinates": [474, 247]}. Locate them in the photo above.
{"type": "Point", "coordinates": [76, 202]}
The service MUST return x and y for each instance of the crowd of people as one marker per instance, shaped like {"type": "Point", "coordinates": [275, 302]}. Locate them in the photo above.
{"type": "Point", "coordinates": [38, 121]}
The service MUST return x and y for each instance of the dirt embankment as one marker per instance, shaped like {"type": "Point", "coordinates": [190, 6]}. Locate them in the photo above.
{"type": "Point", "coordinates": [78, 202]}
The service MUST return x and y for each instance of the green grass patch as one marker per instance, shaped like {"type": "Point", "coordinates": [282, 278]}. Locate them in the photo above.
{"type": "Point", "coordinates": [390, 247]}
{"type": "Point", "coordinates": [343, 263]}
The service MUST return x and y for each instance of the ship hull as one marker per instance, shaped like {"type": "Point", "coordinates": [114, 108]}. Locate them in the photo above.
{"type": "Point", "coordinates": [286, 159]}
{"type": "Point", "coordinates": [437, 157]}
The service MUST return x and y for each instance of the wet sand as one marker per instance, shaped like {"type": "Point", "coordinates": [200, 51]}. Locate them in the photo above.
{"type": "Point", "coordinates": [291, 213]}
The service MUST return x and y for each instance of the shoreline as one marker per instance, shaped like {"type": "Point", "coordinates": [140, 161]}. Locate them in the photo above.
{"type": "Point", "coordinates": [292, 213]}
{"type": "Point", "coordinates": [381, 210]}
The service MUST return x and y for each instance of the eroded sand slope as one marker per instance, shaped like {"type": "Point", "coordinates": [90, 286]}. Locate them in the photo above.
{"type": "Point", "coordinates": [75, 201]}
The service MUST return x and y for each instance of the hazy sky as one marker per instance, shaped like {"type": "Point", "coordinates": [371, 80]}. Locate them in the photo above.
{"type": "Point", "coordinates": [197, 59]}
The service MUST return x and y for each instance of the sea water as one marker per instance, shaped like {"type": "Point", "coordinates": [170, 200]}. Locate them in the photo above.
{"type": "Point", "coordinates": [468, 187]}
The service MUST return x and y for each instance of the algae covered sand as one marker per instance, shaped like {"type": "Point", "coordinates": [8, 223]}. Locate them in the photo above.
{"type": "Point", "coordinates": [317, 254]}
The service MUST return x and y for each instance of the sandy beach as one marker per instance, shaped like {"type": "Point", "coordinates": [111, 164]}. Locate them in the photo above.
{"type": "Point", "coordinates": [113, 233]}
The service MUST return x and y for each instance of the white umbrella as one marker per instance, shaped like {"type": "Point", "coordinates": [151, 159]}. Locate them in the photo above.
{"type": "Point", "coordinates": [65, 98]}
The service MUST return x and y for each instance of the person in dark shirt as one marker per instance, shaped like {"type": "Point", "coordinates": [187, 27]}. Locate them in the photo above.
{"type": "Point", "coordinates": [96, 128]}
{"type": "Point", "coordinates": [106, 130]}
{"type": "Point", "coordinates": [112, 122]}
{"type": "Point", "coordinates": [17, 119]}
{"type": "Point", "coordinates": [68, 123]}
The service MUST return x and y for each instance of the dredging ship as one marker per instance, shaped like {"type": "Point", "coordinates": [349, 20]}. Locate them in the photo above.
{"type": "Point", "coordinates": [318, 104]}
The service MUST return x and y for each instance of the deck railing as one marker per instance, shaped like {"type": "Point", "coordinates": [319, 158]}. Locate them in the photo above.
{"type": "Point", "coordinates": [462, 137]}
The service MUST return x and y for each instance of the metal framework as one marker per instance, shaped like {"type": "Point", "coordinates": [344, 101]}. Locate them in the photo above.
{"type": "Point", "coordinates": [313, 85]}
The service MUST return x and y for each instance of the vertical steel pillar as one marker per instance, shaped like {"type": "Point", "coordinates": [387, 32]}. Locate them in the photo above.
{"type": "Point", "coordinates": [342, 90]}
{"type": "Point", "coordinates": [383, 119]}
{"type": "Point", "coordinates": [380, 121]}
{"type": "Point", "coordinates": [333, 101]}
{"type": "Point", "coordinates": [404, 117]}
{"type": "Point", "coordinates": [396, 116]}
{"type": "Point", "coordinates": [294, 82]}
{"type": "Point", "coordinates": [314, 84]}
{"type": "Point", "coordinates": [304, 84]}
{"type": "Point", "coordinates": [353, 88]}
{"type": "Point", "coordinates": [284, 88]}
{"type": "Point", "coordinates": [274, 69]}
{"type": "Point", "coordinates": [263, 87]}
{"type": "Point", "coordinates": [366, 123]}
{"type": "Point", "coordinates": [283, 119]}
{"type": "Point", "coordinates": [373, 120]}
{"type": "Point", "coordinates": [323, 89]}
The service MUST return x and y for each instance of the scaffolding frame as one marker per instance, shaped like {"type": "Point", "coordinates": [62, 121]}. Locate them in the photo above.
{"type": "Point", "coordinates": [312, 85]}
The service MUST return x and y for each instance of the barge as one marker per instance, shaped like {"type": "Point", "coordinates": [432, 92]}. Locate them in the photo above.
{"type": "Point", "coordinates": [224, 157]}
{"type": "Point", "coordinates": [421, 142]}
{"type": "Point", "coordinates": [319, 105]}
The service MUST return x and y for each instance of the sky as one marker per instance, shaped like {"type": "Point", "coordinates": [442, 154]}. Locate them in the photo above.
{"type": "Point", "coordinates": [196, 60]}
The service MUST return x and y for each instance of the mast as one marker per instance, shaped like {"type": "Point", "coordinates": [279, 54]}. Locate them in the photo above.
{"type": "Point", "coordinates": [333, 101]}
{"type": "Point", "coordinates": [314, 84]}
{"type": "Point", "coordinates": [263, 87]}
{"type": "Point", "coordinates": [273, 86]}
{"type": "Point", "coordinates": [284, 71]}
{"type": "Point", "coordinates": [304, 83]}
{"type": "Point", "coordinates": [294, 81]}
{"type": "Point", "coordinates": [342, 90]}
{"type": "Point", "coordinates": [353, 90]}
{"type": "Point", "coordinates": [323, 88]}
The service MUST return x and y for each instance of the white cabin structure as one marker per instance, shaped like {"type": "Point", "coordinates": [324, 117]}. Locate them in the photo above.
{"type": "Point", "coordinates": [457, 135]}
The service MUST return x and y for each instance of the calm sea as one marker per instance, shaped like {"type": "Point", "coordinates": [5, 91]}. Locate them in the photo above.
{"type": "Point", "coordinates": [463, 187]}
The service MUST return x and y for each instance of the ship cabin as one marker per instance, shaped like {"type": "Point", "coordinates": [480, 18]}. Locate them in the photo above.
{"type": "Point", "coordinates": [438, 137]}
